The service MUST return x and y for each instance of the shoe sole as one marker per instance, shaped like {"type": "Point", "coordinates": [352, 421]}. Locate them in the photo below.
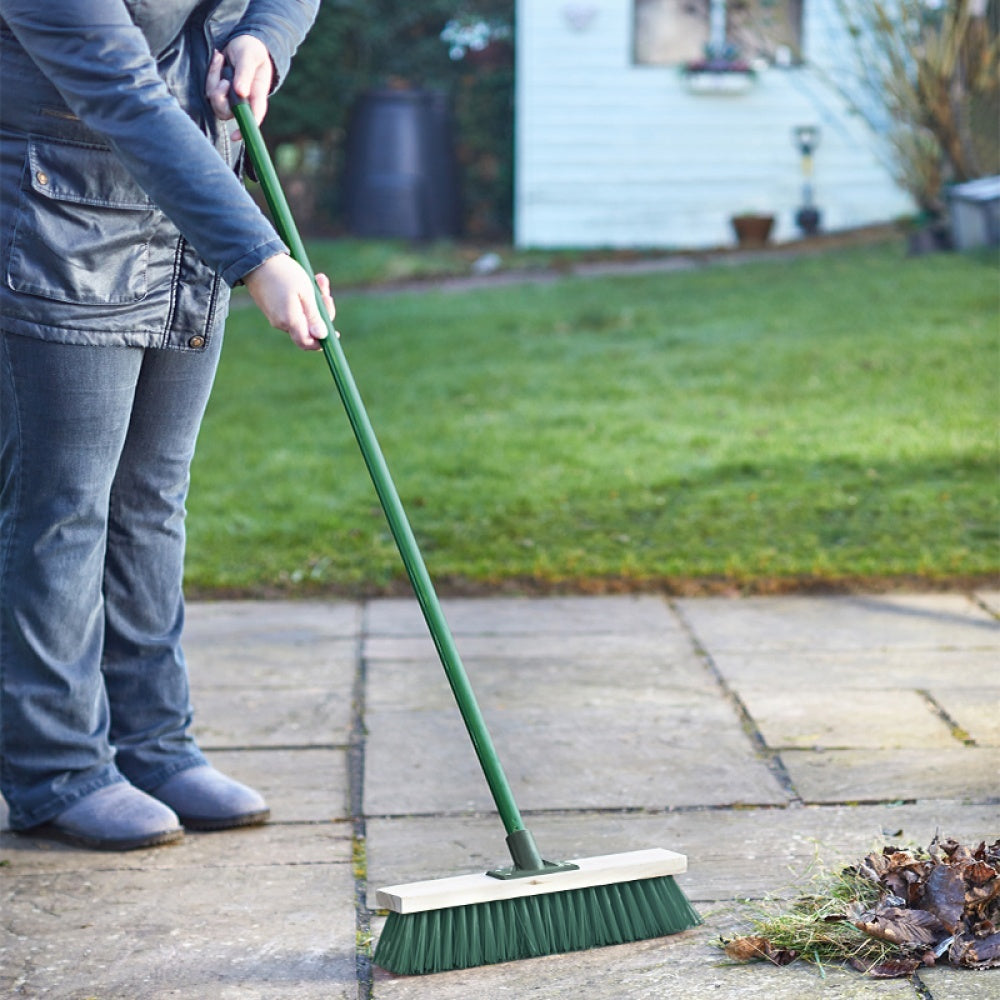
{"type": "Point", "coordinates": [50, 831]}
{"type": "Point", "coordinates": [207, 824]}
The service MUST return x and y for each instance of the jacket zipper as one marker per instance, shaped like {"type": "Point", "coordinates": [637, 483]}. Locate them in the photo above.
{"type": "Point", "coordinates": [175, 278]}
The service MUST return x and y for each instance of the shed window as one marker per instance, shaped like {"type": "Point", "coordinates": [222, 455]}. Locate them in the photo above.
{"type": "Point", "coordinates": [671, 32]}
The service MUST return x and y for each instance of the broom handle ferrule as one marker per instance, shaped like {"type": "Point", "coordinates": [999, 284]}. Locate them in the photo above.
{"type": "Point", "coordinates": [388, 496]}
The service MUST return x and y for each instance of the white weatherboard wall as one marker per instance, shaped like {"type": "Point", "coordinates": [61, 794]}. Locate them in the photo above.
{"type": "Point", "coordinates": [609, 153]}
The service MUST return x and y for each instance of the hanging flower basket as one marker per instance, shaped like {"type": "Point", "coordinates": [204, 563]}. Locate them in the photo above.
{"type": "Point", "coordinates": [718, 76]}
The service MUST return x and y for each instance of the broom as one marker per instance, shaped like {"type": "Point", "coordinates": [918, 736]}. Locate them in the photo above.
{"type": "Point", "coordinates": [533, 907]}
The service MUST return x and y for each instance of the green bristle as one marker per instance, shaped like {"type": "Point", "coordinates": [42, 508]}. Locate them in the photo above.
{"type": "Point", "coordinates": [460, 937]}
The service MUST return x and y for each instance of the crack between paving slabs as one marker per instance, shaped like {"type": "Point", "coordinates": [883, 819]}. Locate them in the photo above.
{"type": "Point", "coordinates": [920, 987]}
{"type": "Point", "coordinates": [772, 759]}
{"type": "Point", "coordinates": [272, 747]}
{"type": "Point", "coordinates": [356, 790]}
{"type": "Point", "coordinates": [958, 731]}
{"type": "Point", "coordinates": [980, 603]}
{"type": "Point", "coordinates": [542, 811]}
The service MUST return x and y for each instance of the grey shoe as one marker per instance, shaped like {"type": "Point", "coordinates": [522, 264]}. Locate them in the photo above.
{"type": "Point", "coordinates": [205, 799]}
{"type": "Point", "coordinates": [117, 817]}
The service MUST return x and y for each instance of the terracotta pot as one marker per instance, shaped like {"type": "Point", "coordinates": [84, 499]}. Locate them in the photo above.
{"type": "Point", "coordinates": [752, 230]}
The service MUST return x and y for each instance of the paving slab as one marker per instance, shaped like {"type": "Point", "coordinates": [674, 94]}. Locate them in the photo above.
{"type": "Point", "coordinates": [286, 622]}
{"type": "Point", "coordinates": [961, 984]}
{"type": "Point", "coordinates": [835, 716]}
{"type": "Point", "coordinates": [881, 669]}
{"type": "Point", "coordinates": [272, 673]}
{"type": "Point", "coordinates": [972, 773]}
{"type": "Point", "coordinates": [732, 854]}
{"type": "Point", "coordinates": [301, 786]}
{"type": "Point", "coordinates": [146, 934]}
{"type": "Point", "coordinates": [560, 682]}
{"type": "Point", "coordinates": [694, 754]}
{"type": "Point", "coordinates": [688, 965]}
{"type": "Point", "coordinates": [571, 731]}
{"type": "Point", "coordinates": [976, 710]}
{"type": "Point", "coordinates": [840, 623]}
{"type": "Point", "coordinates": [617, 650]}
{"type": "Point", "coordinates": [991, 598]}
{"type": "Point", "coordinates": [267, 717]}
{"type": "Point", "coordinates": [242, 662]}
{"type": "Point", "coordinates": [527, 616]}
{"type": "Point", "coordinates": [274, 844]}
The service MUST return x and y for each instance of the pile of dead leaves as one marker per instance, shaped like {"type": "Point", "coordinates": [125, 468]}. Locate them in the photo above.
{"type": "Point", "coordinates": [911, 907]}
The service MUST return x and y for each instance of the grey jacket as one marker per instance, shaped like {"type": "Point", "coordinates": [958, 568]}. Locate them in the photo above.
{"type": "Point", "coordinates": [122, 216]}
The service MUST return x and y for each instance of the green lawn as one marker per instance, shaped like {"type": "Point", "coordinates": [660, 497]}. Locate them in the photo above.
{"type": "Point", "coordinates": [829, 420]}
{"type": "Point", "coordinates": [364, 262]}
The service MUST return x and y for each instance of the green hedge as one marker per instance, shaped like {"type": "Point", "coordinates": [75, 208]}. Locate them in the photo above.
{"type": "Point", "coordinates": [355, 46]}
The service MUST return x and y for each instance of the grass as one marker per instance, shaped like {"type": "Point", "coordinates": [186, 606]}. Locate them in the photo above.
{"type": "Point", "coordinates": [815, 926]}
{"type": "Point", "coordinates": [819, 421]}
{"type": "Point", "coordinates": [364, 262]}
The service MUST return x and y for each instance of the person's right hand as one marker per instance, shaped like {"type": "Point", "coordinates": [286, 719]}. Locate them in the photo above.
{"type": "Point", "coordinates": [253, 75]}
{"type": "Point", "coordinates": [283, 292]}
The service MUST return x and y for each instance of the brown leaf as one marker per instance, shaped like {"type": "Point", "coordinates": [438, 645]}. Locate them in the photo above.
{"type": "Point", "coordinates": [982, 888]}
{"type": "Point", "coordinates": [754, 948]}
{"type": "Point", "coordinates": [873, 866]}
{"type": "Point", "coordinates": [782, 956]}
{"type": "Point", "coordinates": [905, 864]}
{"type": "Point", "coordinates": [900, 873]}
{"type": "Point", "coordinates": [894, 968]}
{"type": "Point", "coordinates": [951, 848]}
{"type": "Point", "coordinates": [902, 926]}
{"type": "Point", "coordinates": [979, 873]}
{"type": "Point", "coordinates": [944, 895]}
{"type": "Point", "coordinates": [746, 949]}
{"type": "Point", "coordinates": [975, 953]}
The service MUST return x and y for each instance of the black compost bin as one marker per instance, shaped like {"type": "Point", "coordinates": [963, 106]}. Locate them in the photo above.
{"type": "Point", "coordinates": [400, 175]}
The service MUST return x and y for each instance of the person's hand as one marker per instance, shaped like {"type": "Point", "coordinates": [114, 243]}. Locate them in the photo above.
{"type": "Point", "coordinates": [253, 76]}
{"type": "Point", "coordinates": [285, 295]}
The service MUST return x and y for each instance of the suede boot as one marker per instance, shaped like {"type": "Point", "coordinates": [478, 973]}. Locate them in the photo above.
{"type": "Point", "coordinates": [117, 817]}
{"type": "Point", "coordinates": [205, 799]}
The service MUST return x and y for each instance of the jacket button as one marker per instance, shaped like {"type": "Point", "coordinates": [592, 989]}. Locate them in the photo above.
{"type": "Point", "coordinates": [197, 343]}
{"type": "Point", "coordinates": [42, 177]}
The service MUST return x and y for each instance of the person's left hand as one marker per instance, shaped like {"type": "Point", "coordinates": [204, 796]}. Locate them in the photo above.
{"type": "Point", "coordinates": [253, 76]}
{"type": "Point", "coordinates": [285, 295]}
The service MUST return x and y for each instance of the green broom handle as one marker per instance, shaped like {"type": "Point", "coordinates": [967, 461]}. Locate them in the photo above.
{"type": "Point", "coordinates": [384, 486]}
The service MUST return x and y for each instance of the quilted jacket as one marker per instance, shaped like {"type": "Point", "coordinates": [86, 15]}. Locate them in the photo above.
{"type": "Point", "coordinates": [123, 219]}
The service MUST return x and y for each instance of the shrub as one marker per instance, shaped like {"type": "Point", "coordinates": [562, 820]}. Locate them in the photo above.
{"type": "Point", "coordinates": [934, 63]}
{"type": "Point", "coordinates": [357, 45]}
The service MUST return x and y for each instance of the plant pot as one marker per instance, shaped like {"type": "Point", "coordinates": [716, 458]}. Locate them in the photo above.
{"type": "Point", "coordinates": [752, 230]}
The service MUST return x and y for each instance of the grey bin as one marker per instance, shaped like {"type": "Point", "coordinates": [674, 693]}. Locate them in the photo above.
{"type": "Point", "coordinates": [400, 174]}
{"type": "Point", "coordinates": [974, 210]}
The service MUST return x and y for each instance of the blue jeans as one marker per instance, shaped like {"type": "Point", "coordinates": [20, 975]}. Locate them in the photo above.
{"type": "Point", "coordinates": [95, 451]}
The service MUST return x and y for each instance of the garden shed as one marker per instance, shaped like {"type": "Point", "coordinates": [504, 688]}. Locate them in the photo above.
{"type": "Point", "coordinates": [625, 137]}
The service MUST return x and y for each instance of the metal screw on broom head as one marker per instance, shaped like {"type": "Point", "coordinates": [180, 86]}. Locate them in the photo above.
{"type": "Point", "coordinates": [534, 907]}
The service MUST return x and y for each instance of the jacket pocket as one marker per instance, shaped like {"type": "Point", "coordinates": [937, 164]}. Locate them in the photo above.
{"type": "Point", "coordinates": [82, 228]}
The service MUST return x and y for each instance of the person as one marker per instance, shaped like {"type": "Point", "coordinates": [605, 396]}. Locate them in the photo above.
{"type": "Point", "coordinates": [123, 224]}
